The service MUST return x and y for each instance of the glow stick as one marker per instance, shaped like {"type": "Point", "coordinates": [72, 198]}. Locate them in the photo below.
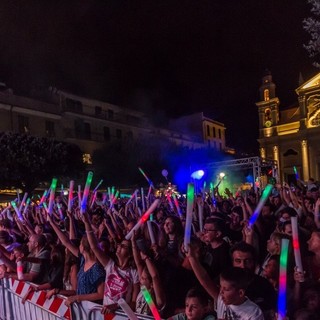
{"type": "Point", "coordinates": [52, 192]}
{"type": "Point", "coordinates": [151, 304]}
{"type": "Point", "coordinates": [46, 207]}
{"type": "Point", "coordinates": [136, 197]}
{"type": "Point", "coordinates": [17, 210]}
{"type": "Point", "coordinates": [93, 199]}
{"type": "Point", "coordinates": [132, 196]}
{"type": "Point", "coordinates": [143, 173]}
{"type": "Point", "coordinates": [114, 199]}
{"type": "Point", "coordinates": [60, 211]}
{"type": "Point", "coordinates": [86, 192]}
{"type": "Point", "coordinates": [26, 207]}
{"type": "Point", "coordinates": [143, 201]}
{"type": "Point", "coordinates": [143, 219]}
{"type": "Point", "coordinates": [18, 196]}
{"type": "Point", "coordinates": [126, 309]}
{"type": "Point", "coordinates": [104, 198]}
{"type": "Point", "coordinates": [282, 299]}
{"type": "Point", "coordinates": [98, 185]}
{"type": "Point", "coordinates": [70, 195]}
{"type": "Point", "coordinates": [261, 203]}
{"type": "Point", "coordinates": [109, 193]}
{"type": "Point", "coordinates": [151, 234]}
{"type": "Point", "coordinates": [200, 212]}
{"type": "Point", "coordinates": [20, 270]}
{"type": "Point", "coordinates": [176, 202]}
{"type": "Point", "coordinates": [296, 245]}
{"type": "Point", "coordinates": [23, 201]}
{"type": "Point", "coordinates": [43, 198]}
{"type": "Point", "coordinates": [187, 230]}
{"type": "Point", "coordinates": [296, 172]}
{"type": "Point", "coordinates": [149, 192]}
{"type": "Point", "coordinates": [61, 191]}
{"type": "Point", "coordinates": [170, 201]}
{"type": "Point", "coordinates": [79, 196]}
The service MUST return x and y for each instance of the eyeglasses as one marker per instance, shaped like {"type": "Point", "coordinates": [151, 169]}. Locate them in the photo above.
{"type": "Point", "coordinates": [208, 230]}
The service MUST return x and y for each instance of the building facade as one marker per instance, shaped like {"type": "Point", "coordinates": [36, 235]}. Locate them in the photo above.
{"type": "Point", "coordinates": [92, 124]}
{"type": "Point", "coordinates": [291, 135]}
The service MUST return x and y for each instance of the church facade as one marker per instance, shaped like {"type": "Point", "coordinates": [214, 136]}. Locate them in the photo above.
{"type": "Point", "coordinates": [291, 135]}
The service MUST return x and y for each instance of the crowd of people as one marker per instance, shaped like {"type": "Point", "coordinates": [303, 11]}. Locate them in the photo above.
{"type": "Point", "coordinates": [230, 269]}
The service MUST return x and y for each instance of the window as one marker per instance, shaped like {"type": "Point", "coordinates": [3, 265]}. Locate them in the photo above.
{"type": "Point", "coordinates": [219, 133]}
{"type": "Point", "coordinates": [82, 129]}
{"type": "Point", "coordinates": [110, 114]}
{"type": "Point", "coordinates": [220, 146]}
{"type": "Point", "coordinates": [73, 105]}
{"type": "Point", "coordinates": [208, 131]}
{"type": "Point", "coordinates": [23, 124]}
{"type": "Point", "coordinates": [118, 134]}
{"type": "Point", "coordinates": [98, 111]}
{"type": "Point", "coordinates": [106, 133]}
{"type": "Point", "coordinates": [50, 129]}
{"type": "Point", "coordinates": [214, 132]}
{"type": "Point", "coordinates": [130, 135]}
{"type": "Point", "coordinates": [266, 95]}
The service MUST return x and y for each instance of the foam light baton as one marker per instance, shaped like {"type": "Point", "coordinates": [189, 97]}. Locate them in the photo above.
{"type": "Point", "coordinates": [282, 299]}
{"type": "Point", "coordinates": [20, 270]}
{"type": "Point", "coordinates": [151, 233]}
{"type": "Point", "coordinates": [52, 192]}
{"type": "Point", "coordinates": [93, 200]}
{"type": "Point", "coordinates": [187, 229]}
{"type": "Point", "coordinates": [131, 198]}
{"type": "Point", "coordinates": [151, 304]}
{"type": "Point", "coordinates": [26, 207]}
{"type": "Point", "coordinates": [176, 202]}
{"type": "Point", "coordinates": [114, 199]}
{"type": "Point", "coordinates": [170, 201]}
{"type": "Point", "coordinates": [13, 204]}
{"type": "Point", "coordinates": [143, 173]}
{"type": "Point", "coordinates": [126, 309]}
{"type": "Point", "coordinates": [43, 198]}
{"type": "Point", "coordinates": [263, 199]}
{"type": "Point", "coordinates": [70, 195]}
{"type": "Point", "coordinates": [23, 201]}
{"type": "Point", "coordinates": [143, 201]}
{"type": "Point", "coordinates": [98, 185]}
{"type": "Point", "coordinates": [79, 196]}
{"type": "Point", "coordinates": [296, 245]}
{"type": "Point", "coordinates": [143, 219]}
{"type": "Point", "coordinates": [86, 192]}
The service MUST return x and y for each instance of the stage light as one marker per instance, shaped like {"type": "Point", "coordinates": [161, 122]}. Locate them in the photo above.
{"type": "Point", "coordinates": [197, 174]}
{"type": "Point", "coordinates": [221, 175]}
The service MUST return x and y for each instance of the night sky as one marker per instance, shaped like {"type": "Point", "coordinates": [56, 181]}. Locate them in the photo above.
{"type": "Point", "coordinates": [164, 57]}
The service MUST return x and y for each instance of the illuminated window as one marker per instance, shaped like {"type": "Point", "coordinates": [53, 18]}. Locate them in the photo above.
{"type": "Point", "coordinates": [266, 95]}
{"type": "Point", "coordinates": [86, 158]}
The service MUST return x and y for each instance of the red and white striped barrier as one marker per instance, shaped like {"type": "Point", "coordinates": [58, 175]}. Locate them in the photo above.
{"type": "Point", "coordinates": [55, 305]}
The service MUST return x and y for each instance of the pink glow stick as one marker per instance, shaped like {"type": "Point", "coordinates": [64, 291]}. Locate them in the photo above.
{"type": "Point", "coordinates": [143, 219]}
{"type": "Point", "coordinates": [132, 196]}
{"type": "Point", "coordinates": [296, 244]}
{"type": "Point", "coordinates": [79, 196]}
{"type": "Point", "coordinates": [70, 195]}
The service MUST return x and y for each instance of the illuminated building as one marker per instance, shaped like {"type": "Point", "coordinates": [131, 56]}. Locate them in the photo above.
{"type": "Point", "coordinates": [291, 135]}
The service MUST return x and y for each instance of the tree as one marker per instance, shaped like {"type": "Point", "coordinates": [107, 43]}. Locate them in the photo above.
{"type": "Point", "coordinates": [25, 160]}
{"type": "Point", "coordinates": [312, 26]}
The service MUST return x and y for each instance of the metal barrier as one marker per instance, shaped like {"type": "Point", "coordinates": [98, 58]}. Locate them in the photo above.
{"type": "Point", "coordinates": [36, 306]}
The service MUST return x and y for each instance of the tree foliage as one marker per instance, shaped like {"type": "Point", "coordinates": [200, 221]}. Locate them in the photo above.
{"type": "Point", "coordinates": [312, 26]}
{"type": "Point", "coordinates": [25, 160]}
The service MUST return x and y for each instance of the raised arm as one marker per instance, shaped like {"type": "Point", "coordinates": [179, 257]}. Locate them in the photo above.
{"type": "Point", "coordinates": [93, 242]}
{"type": "Point", "coordinates": [64, 238]}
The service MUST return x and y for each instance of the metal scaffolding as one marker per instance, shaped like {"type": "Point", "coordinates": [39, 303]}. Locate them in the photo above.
{"type": "Point", "coordinates": [254, 163]}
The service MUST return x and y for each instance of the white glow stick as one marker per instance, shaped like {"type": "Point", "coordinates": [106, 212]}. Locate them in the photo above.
{"type": "Point", "coordinates": [79, 195]}
{"type": "Point", "coordinates": [295, 243]}
{"type": "Point", "coordinates": [136, 195]}
{"type": "Point", "coordinates": [143, 219]}
{"type": "Point", "coordinates": [17, 210]}
{"type": "Point", "coordinates": [126, 309]}
{"type": "Point", "coordinates": [151, 234]}
{"type": "Point", "coordinates": [132, 196]}
{"type": "Point", "coordinates": [142, 201]}
{"type": "Point", "coordinates": [70, 195]}
{"type": "Point", "coordinates": [26, 207]}
{"type": "Point", "coordinates": [23, 201]}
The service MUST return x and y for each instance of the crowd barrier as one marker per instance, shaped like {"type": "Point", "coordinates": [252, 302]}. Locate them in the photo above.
{"type": "Point", "coordinates": [37, 307]}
